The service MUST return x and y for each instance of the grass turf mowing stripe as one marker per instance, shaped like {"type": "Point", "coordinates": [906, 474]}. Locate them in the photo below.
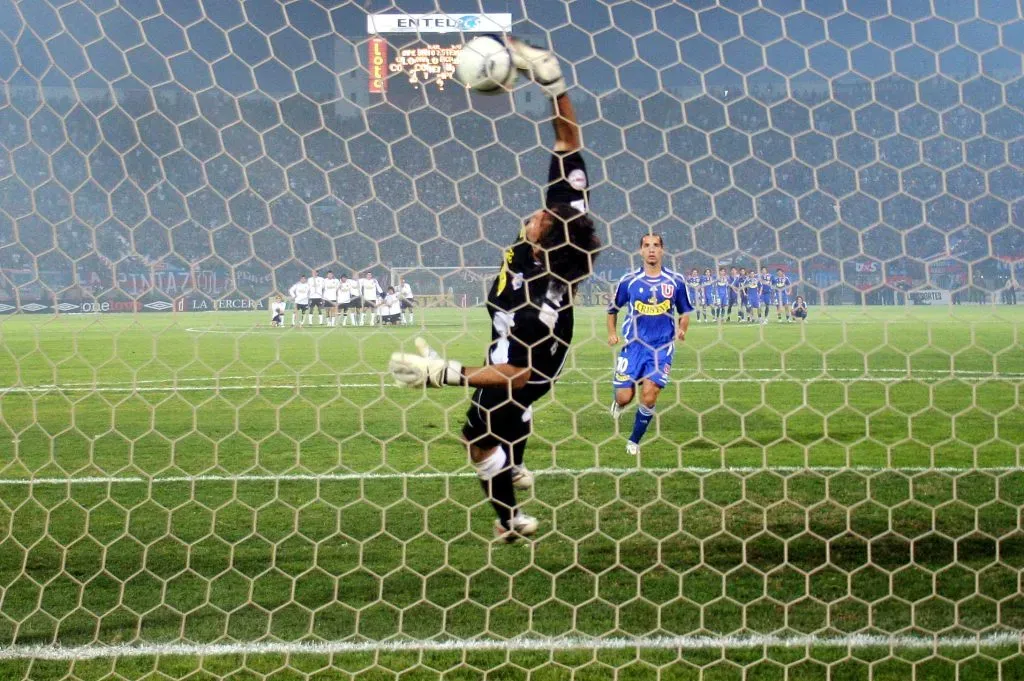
{"type": "Point", "coordinates": [555, 644]}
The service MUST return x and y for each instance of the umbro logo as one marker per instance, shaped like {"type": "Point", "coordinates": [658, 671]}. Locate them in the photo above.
{"type": "Point", "coordinates": [159, 305]}
{"type": "Point", "coordinates": [34, 307]}
{"type": "Point", "coordinates": [67, 307]}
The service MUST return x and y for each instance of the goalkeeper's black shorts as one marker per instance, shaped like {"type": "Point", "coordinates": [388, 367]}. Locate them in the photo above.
{"type": "Point", "coordinates": [497, 416]}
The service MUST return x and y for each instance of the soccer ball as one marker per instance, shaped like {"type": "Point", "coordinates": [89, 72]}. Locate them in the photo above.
{"type": "Point", "coordinates": [485, 65]}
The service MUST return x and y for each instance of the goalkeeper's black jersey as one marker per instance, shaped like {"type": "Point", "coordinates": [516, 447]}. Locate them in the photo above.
{"type": "Point", "coordinates": [531, 313]}
{"type": "Point", "coordinates": [531, 319]}
{"type": "Point", "coordinates": [567, 180]}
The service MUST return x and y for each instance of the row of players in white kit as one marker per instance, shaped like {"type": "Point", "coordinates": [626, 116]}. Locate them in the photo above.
{"type": "Point", "coordinates": [344, 297]}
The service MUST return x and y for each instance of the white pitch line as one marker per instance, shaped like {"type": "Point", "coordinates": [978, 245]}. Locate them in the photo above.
{"type": "Point", "coordinates": [442, 475]}
{"type": "Point", "coordinates": [518, 644]}
{"type": "Point", "coordinates": [130, 388]}
{"type": "Point", "coordinates": [781, 374]}
{"type": "Point", "coordinates": [245, 330]}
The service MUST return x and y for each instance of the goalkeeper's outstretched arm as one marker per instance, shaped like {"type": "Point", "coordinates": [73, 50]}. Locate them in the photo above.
{"type": "Point", "coordinates": [542, 66]}
{"type": "Point", "coordinates": [426, 367]}
{"type": "Point", "coordinates": [496, 376]}
{"type": "Point", "coordinates": [567, 130]}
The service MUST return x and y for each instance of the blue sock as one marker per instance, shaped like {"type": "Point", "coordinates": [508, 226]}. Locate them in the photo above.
{"type": "Point", "coordinates": [644, 416]}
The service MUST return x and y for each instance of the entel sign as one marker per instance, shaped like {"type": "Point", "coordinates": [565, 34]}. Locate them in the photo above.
{"type": "Point", "coordinates": [438, 23]}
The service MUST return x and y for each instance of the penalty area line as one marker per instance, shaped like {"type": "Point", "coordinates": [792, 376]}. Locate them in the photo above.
{"type": "Point", "coordinates": [518, 644]}
{"type": "Point", "coordinates": [444, 475]}
{"type": "Point", "coordinates": [170, 386]}
{"type": "Point", "coordinates": [735, 373]}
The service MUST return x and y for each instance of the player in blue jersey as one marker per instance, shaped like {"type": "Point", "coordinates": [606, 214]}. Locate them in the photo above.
{"type": "Point", "coordinates": [721, 294]}
{"type": "Point", "coordinates": [753, 284]}
{"type": "Point", "coordinates": [800, 309]}
{"type": "Point", "coordinates": [707, 287]}
{"type": "Point", "coordinates": [741, 284]}
{"type": "Point", "coordinates": [781, 286]}
{"type": "Point", "coordinates": [693, 291]}
{"type": "Point", "coordinates": [651, 295]}
{"type": "Point", "coordinates": [734, 295]}
{"type": "Point", "coordinates": [766, 292]}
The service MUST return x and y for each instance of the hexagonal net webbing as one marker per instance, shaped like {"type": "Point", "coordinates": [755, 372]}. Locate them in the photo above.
{"type": "Point", "coordinates": [195, 486]}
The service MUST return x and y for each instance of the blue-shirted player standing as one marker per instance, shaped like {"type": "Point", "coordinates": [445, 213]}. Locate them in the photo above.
{"type": "Point", "coordinates": [651, 295]}
{"type": "Point", "coordinates": [753, 284]}
{"type": "Point", "coordinates": [782, 285]}
{"type": "Point", "coordinates": [734, 295]}
{"type": "Point", "coordinates": [766, 292]}
{"type": "Point", "coordinates": [721, 294]}
{"type": "Point", "coordinates": [742, 284]}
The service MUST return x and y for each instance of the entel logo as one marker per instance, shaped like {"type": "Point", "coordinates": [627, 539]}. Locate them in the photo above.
{"type": "Point", "coordinates": [468, 22]}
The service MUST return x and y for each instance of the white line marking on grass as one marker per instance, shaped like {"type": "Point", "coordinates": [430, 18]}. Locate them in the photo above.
{"type": "Point", "coordinates": [244, 330]}
{"type": "Point", "coordinates": [560, 643]}
{"type": "Point", "coordinates": [777, 374]}
{"type": "Point", "coordinates": [782, 374]}
{"type": "Point", "coordinates": [145, 386]}
{"type": "Point", "coordinates": [442, 475]}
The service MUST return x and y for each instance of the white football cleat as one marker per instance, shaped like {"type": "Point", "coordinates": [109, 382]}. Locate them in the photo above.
{"type": "Point", "coordinates": [616, 410]}
{"type": "Point", "coordinates": [632, 448]}
{"type": "Point", "coordinates": [522, 478]}
{"type": "Point", "coordinates": [522, 526]}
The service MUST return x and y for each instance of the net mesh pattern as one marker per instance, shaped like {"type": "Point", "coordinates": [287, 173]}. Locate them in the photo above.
{"type": "Point", "coordinates": [186, 492]}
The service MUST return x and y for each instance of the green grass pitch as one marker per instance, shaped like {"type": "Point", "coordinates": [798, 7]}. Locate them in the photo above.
{"type": "Point", "coordinates": [859, 474]}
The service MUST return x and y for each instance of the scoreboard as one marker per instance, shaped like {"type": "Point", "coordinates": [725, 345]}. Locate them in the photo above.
{"type": "Point", "coordinates": [419, 59]}
{"type": "Point", "coordinates": [423, 65]}
{"type": "Point", "coordinates": [433, 64]}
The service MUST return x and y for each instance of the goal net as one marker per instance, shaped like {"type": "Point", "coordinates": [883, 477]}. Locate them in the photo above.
{"type": "Point", "coordinates": [189, 490]}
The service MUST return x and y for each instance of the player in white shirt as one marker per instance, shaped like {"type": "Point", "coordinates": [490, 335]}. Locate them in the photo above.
{"type": "Point", "coordinates": [277, 310]}
{"type": "Point", "coordinates": [391, 308]}
{"type": "Point", "coordinates": [405, 299]}
{"type": "Point", "coordinates": [299, 292]}
{"type": "Point", "coordinates": [316, 297]}
{"type": "Point", "coordinates": [370, 292]}
{"type": "Point", "coordinates": [354, 290]}
{"type": "Point", "coordinates": [345, 304]}
{"type": "Point", "coordinates": [331, 286]}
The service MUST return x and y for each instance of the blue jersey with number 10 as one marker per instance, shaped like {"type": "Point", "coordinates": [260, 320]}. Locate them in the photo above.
{"type": "Point", "coordinates": [650, 304]}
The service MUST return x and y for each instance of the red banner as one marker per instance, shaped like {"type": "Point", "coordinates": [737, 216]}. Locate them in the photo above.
{"type": "Point", "coordinates": [378, 63]}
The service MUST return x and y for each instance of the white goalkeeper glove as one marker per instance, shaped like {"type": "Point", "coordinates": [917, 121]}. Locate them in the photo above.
{"type": "Point", "coordinates": [541, 65]}
{"type": "Point", "coordinates": [424, 368]}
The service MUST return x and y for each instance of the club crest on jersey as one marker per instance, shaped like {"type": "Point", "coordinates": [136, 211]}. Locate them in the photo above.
{"type": "Point", "coordinates": [667, 290]}
{"type": "Point", "coordinates": [577, 179]}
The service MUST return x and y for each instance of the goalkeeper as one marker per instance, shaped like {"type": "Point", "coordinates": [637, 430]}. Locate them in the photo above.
{"type": "Point", "coordinates": [530, 306]}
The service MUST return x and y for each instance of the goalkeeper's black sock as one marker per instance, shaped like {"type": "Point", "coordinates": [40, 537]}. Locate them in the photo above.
{"type": "Point", "coordinates": [502, 494]}
{"type": "Point", "coordinates": [518, 452]}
